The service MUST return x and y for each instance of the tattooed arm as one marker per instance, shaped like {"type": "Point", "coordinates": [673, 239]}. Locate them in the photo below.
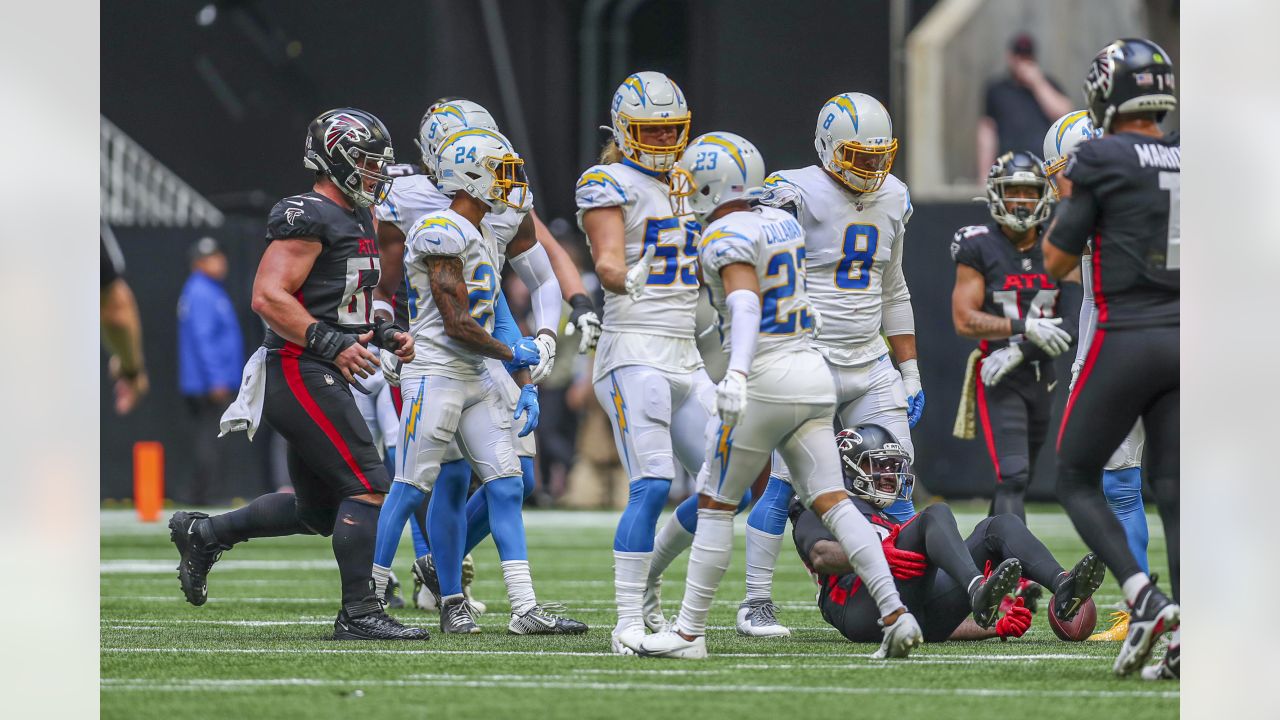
{"type": "Point", "coordinates": [966, 308]}
{"type": "Point", "coordinates": [450, 295]}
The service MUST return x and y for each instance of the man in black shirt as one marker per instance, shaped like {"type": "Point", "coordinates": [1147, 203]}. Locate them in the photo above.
{"type": "Point", "coordinates": [314, 288]}
{"type": "Point", "coordinates": [1004, 299]}
{"type": "Point", "coordinates": [1122, 193]}
{"type": "Point", "coordinates": [940, 572]}
{"type": "Point", "coordinates": [1019, 107]}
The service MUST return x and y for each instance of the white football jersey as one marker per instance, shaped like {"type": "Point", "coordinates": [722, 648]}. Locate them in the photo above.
{"type": "Point", "coordinates": [773, 242]}
{"type": "Point", "coordinates": [413, 196]}
{"type": "Point", "coordinates": [447, 233]}
{"type": "Point", "coordinates": [853, 248]}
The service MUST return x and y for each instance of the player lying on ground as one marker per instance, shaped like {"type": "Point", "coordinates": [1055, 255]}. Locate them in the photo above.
{"type": "Point", "coordinates": [936, 571]}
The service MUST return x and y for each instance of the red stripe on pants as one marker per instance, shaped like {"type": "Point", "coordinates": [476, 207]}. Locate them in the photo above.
{"type": "Point", "coordinates": [293, 376]}
{"type": "Point", "coordinates": [986, 421]}
{"type": "Point", "coordinates": [1094, 348]}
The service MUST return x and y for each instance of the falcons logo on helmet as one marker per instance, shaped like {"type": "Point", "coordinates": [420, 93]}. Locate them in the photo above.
{"type": "Point", "coordinates": [343, 126]}
{"type": "Point", "coordinates": [1102, 70]}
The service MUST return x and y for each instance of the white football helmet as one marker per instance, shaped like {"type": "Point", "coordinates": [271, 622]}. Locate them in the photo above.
{"type": "Point", "coordinates": [483, 164]}
{"type": "Point", "coordinates": [649, 100]}
{"type": "Point", "coordinates": [716, 168]}
{"type": "Point", "coordinates": [444, 119]}
{"type": "Point", "coordinates": [1064, 135]}
{"type": "Point", "coordinates": [855, 142]}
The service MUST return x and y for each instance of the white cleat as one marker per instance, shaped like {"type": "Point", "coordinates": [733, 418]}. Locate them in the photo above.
{"type": "Point", "coordinates": [758, 618]}
{"type": "Point", "coordinates": [625, 640]}
{"type": "Point", "coordinates": [899, 638]}
{"type": "Point", "coordinates": [671, 644]}
{"type": "Point", "coordinates": [652, 612]}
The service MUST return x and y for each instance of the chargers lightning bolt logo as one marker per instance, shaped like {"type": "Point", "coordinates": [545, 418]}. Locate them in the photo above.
{"type": "Point", "coordinates": [729, 147]}
{"type": "Point", "coordinates": [603, 179]}
{"type": "Point", "coordinates": [845, 103]}
{"type": "Point", "coordinates": [411, 425]}
{"type": "Point", "coordinates": [620, 412]}
{"type": "Point", "coordinates": [724, 446]}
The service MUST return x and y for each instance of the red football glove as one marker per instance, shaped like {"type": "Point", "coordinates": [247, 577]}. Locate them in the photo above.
{"type": "Point", "coordinates": [904, 564]}
{"type": "Point", "coordinates": [1015, 622]}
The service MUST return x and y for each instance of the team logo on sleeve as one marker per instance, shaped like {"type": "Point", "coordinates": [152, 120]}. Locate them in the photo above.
{"type": "Point", "coordinates": [344, 126]}
{"type": "Point", "coordinates": [292, 214]}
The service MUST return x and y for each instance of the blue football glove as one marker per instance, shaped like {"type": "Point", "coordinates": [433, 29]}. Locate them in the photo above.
{"type": "Point", "coordinates": [915, 393]}
{"type": "Point", "coordinates": [915, 408]}
{"type": "Point", "coordinates": [524, 354]}
{"type": "Point", "coordinates": [528, 405]}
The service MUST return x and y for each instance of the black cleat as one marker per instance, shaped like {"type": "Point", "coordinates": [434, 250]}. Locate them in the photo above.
{"type": "Point", "coordinates": [1078, 586]}
{"type": "Point", "coordinates": [456, 619]}
{"type": "Point", "coordinates": [1150, 617]}
{"type": "Point", "coordinates": [198, 549]}
{"type": "Point", "coordinates": [1030, 592]}
{"type": "Point", "coordinates": [985, 599]}
{"type": "Point", "coordinates": [392, 597]}
{"type": "Point", "coordinates": [539, 620]}
{"type": "Point", "coordinates": [424, 575]}
{"type": "Point", "coordinates": [366, 620]}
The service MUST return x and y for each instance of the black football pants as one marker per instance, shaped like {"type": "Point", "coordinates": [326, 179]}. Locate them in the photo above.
{"type": "Point", "coordinates": [1128, 374]}
{"type": "Point", "coordinates": [1015, 422]}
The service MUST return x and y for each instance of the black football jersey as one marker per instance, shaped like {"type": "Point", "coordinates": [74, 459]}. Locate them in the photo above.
{"type": "Point", "coordinates": [1125, 202]}
{"type": "Point", "coordinates": [807, 530]}
{"type": "Point", "coordinates": [1017, 285]}
{"type": "Point", "coordinates": [339, 288]}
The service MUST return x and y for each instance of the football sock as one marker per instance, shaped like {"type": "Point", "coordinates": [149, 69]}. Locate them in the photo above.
{"type": "Point", "coordinates": [505, 496]}
{"type": "Point", "coordinates": [762, 557]}
{"type": "Point", "coordinates": [1134, 585]}
{"type": "Point", "coordinates": [709, 558]}
{"type": "Point", "coordinates": [633, 545]}
{"type": "Point", "coordinates": [270, 515]}
{"type": "Point", "coordinates": [629, 572]}
{"type": "Point", "coordinates": [396, 508]}
{"type": "Point", "coordinates": [672, 540]}
{"type": "Point", "coordinates": [1123, 489]}
{"type": "Point", "coordinates": [389, 461]}
{"type": "Point", "coordinates": [519, 585]}
{"type": "Point", "coordinates": [770, 513]}
{"type": "Point", "coordinates": [418, 522]}
{"type": "Point", "coordinates": [687, 513]}
{"type": "Point", "coordinates": [478, 508]}
{"type": "Point", "coordinates": [861, 545]}
{"type": "Point", "coordinates": [447, 527]}
{"type": "Point", "coordinates": [354, 531]}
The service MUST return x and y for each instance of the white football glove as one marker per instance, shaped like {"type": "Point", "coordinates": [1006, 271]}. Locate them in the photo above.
{"type": "Point", "coordinates": [547, 353]}
{"type": "Point", "coordinates": [817, 319]}
{"type": "Point", "coordinates": [589, 327]}
{"type": "Point", "coordinates": [1000, 363]}
{"type": "Point", "coordinates": [731, 397]}
{"type": "Point", "coordinates": [638, 275]}
{"type": "Point", "coordinates": [390, 368]}
{"type": "Point", "coordinates": [1046, 334]}
{"type": "Point", "coordinates": [1076, 367]}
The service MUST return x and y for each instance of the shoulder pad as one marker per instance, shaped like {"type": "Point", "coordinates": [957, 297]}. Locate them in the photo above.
{"type": "Point", "coordinates": [436, 235]}
{"type": "Point", "coordinates": [598, 187]}
{"type": "Point", "coordinates": [724, 244]}
{"type": "Point", "coordinates": [295, 217]}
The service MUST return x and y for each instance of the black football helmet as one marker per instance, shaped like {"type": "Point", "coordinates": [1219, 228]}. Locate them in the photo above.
{"type": "Point", "coordinates": [876, 467]}
{"type": "Point", "coordinates": [352, 147]}
{"type": "Point", "coordinates": [1128, 76]}
{"type": "Point", "coordinates": [1012, 169]}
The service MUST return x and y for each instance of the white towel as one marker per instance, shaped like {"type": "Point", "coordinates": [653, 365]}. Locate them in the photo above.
{"type": "Point", "coordinates": [246, 412]}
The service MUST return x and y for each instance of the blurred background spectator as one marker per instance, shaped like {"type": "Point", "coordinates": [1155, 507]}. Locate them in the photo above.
{"type": "Point", "coordinates": [121, 327]}
{"type": "Point", "coordinates": [210, 358]}
{"type": "Point", "coordinates": [1020, 106]}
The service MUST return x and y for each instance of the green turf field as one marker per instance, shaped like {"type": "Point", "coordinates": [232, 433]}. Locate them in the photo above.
{"type": "Point", "coordinates": [257, 649]}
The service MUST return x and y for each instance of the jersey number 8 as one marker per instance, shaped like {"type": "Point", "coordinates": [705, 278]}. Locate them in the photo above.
{"type": "Point", "coordinates": [854, 270]}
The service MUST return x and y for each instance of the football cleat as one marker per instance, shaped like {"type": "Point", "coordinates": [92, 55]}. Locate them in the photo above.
{"type": "Point", "coordinates": [1119, 628]}
{"type": "Point", "coordinates": [1078, 586]}
{"type": "Point", "coordinates": [1167, 668]}
{"type": "Point", "coordinates": [456, 619]}
{"type": "Point", "coordinates": [652, 612]}
{"type": "Point", "coordinates": [1150, 617]}
{"type": "Point", "coordinates": [1030, 592]}
{"type": "Point", "coordinates": [392, 596]}
{"type": "Point", "coordinates": [469, 576]}
{"type": "Point", "coordinates": [625, 640]}
{"type": "Point", "coordinates": [899, 638]}
{"type": "Point", "coordinates": [758, 618]}
{"type": "Point", "coordinates": [426, 584]}
{"type": "Point", "coordinates": [540, 620]}
{"type": "Point", "coordinates": [366, 620]}
{"type": "Point", "coordinates": [198, 550]}
{"type": "Point", "coordinates": [671, 644]}
{"type": "Point", "coordinates": [990, 591]}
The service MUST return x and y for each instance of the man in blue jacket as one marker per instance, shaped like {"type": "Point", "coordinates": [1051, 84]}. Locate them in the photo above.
{"type": "Point", "coordinates": [210, 357]}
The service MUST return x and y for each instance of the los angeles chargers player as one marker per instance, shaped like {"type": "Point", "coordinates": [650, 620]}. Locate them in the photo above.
{"type": "Point", "coordinates": [854, 214]}
{"type": "Point", "coordinates": [648, 375]}
{"type": "Point", "coordinates": [1122, 475]}
{"type": "Point", "coordinates": [775, 394]}
{"type": "Point", "coordinates": [452, 261]}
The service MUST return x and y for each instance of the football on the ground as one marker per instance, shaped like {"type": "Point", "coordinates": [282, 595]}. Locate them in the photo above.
{"type": "Point", "coordinates": [1079, 627]}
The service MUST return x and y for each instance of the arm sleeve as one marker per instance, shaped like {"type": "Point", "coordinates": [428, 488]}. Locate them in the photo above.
{"type": "Point", "coordinates": [534, 268]}
{"type": "Point", "coordinates": [896, 315]}
{"type": "Point", "coordinates": [295, 218]}
{"type": "Point", "coordinates": [1088, 311]}
{"type": "Point", "coordinates": [807, 530]}
{"type": "Point", "coordinates": [782, 194]}
{"type": "Point", "coordinates": [505, 329]}
{"type": "Point", "coordinates": [744, 311]}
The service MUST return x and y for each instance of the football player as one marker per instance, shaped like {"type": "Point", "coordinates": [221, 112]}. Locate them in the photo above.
{"type": "Point", "coordinates": [937, 572]}
{"type": "Point", "coordinates": [452, 264]}
{"type": "Point", "coordinates": [1122, 192]}
{"type": "Point", "coordinates": [1004, 299]}
{"type": "Point", "coordinates": [648, 374]}
{"type": "Point", "coordinates": [1122, 475]}
{"type": "Point", "coordinates": [854, 214]}
{"type": "Point", "coordinates": [776, 392]}
{"type": "Point", "coordinates": [313, 289]}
